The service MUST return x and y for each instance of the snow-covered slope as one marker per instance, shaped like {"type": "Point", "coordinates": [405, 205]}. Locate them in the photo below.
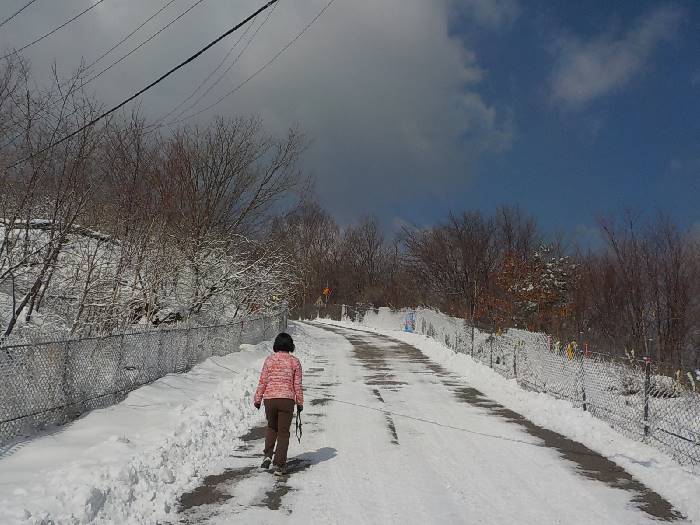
{"type": "Point", "coordinates": [93, 284]}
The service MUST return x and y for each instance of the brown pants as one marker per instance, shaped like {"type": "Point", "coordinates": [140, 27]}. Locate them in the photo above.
{"type": "Point", "coordinates": [279, 413]}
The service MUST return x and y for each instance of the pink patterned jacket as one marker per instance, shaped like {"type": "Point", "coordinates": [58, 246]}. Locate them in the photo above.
{"type": "Point", "coordinates": [280, 379]}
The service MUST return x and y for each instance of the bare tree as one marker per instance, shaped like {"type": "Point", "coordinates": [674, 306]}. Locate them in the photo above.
{"type": "Point", "coordinates": [364, 252]}
{"type": "Point", "coordinates": [310, 238]}
{"type": "Point", "coordinates": [54, 185]}
{"type": "Point", "coordinates": [516, 232]}
{"type": "Point", "coordinates": [455, 260]}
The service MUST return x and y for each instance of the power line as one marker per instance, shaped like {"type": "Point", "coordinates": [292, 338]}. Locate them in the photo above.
{"type": "Point", "coordinates": [213, 72]}
{"type": "Point", "coordinates": [251, 77]}
{"type": "Point", "coordinates": [115, 46]}
{"type": "Point", "coordinates": [25, 6]}
{"type": "Point", "coordinates": [127, 37]}
{"type": "Point", "coordinates": [120, 60]}
{"type": "Point", "coordinates": [218, 80]}
{"type": "Point", "coordinates": [228, 69]}
{"type": "Point", "coordinates": [149, 86]}
{"type": "Point", "coordinates": [116, 62]}
{"type": "Point", "coordinates": [54, 30]}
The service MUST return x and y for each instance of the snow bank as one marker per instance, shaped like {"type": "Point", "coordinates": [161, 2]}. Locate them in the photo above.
{"type": "Point", "coordinates": [453, 332]}
{"type": "Point", "coordinates": [128, 463]}
{"type": "Point", "coordinates": [612, 389]}
{"type": "Point", "coordinates": [652, 467]}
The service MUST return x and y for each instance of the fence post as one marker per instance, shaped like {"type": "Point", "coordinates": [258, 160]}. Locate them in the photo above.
{"type": "Point", "coordinates": [188, 349]}
{"type": "Point", "coordinates": [491, 339]}
{"type": "Point", "coordinates": [122, 377]}
{"type": "Point", "coordinates": [65, 380]}
{"type": "Point", "coordinates": [583, 383]}
{"type": "Point", "coordinates": [515, 362]}
{"type": "Point", "coordinates": [647, 390]}
{"type": "Point", "coordinates": [472, 337]}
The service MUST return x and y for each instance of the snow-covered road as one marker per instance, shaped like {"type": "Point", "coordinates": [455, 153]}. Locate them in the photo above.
{"type": "Point", "coordinates": [392, 437]}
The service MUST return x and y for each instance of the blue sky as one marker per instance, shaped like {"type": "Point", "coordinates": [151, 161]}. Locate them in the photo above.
{"type": "Point", "coordinates": [416, 108]}
{"type": "Point", "coordinates": [630, 142]}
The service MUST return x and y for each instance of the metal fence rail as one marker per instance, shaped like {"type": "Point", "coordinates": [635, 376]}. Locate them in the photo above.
{"type": "Point", "coordinates": [52, 383]}
{"type": "Point", "coordinates": [638, 397]}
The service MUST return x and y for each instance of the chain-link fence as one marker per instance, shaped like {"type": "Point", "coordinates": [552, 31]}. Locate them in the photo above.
{"type": "Point", "coordinates": [49, 384]}
{"type": "Point", "coordinates": [635, 396]}
{"type": "Point", "coordinates": [638, 397]}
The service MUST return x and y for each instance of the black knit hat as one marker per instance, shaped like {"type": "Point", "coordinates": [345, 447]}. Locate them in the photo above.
{"type": "Point", "coordinates": [283, 343]}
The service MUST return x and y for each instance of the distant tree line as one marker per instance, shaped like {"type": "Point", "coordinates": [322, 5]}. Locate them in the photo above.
{"type": "Point", "coordinates": [123, 225]}
{"type": "Point", "coordinates": [636, 294]}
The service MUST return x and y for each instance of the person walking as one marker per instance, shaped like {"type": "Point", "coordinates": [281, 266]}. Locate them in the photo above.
{"type": "Point", "coordinates": [280, 387]}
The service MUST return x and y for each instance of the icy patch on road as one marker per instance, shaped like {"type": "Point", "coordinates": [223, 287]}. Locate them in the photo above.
{"type": "Point", "coordinates": [653, 468]}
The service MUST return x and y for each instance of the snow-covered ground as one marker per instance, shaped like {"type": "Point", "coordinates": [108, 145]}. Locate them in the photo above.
{"type": "Point", "coordinates": [613, 388]}
{"type": "Point", "coordinates": [129, 462]}
{"type": "Point", "coordinates": [658, 471]}
{"type": "Point", "coordinates": [387, 439]}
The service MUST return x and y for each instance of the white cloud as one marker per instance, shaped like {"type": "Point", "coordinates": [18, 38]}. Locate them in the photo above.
{"type": "Point", "coordinates": [687, 168]}
{"type": "Point", "coordinates": [695, 79]}
{"type": "Point", "coordinates": [490, 13]}
{"type": "Point", "coordinates": [587, 69]}
{"type": "Point", "coordinates": [389, 98]}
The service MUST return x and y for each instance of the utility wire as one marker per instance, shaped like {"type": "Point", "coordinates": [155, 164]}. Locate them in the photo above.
{"type": "Point", "coordinates": [127, 37]}
{"type": "Point", "coordinates": [540, 444]}
{"type": "Point", "coordinates": [228, 69]}
{"type": "Point", "coordinates": [436, 423]}
{"type": "Point", "coordinates": [25, 6]}
{"type": "Point", "coordinates": [120, 60]}
{"type": "Point", "coordinates": [251, 77]}
{"type": "Point", "coordinates": [115, 46]}
{"type": "Point", "coordinates": [218, 80]}
{"type": "Point", "coordinates": [16, 51]}
{"type": "Point", "coordinates": [149, 86]}
{"type": "Point", "coordinates": [116, 62]}
{"type": "Point", "coordinates": [204, 82]}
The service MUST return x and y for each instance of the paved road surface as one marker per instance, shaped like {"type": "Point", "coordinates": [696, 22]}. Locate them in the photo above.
{"type": "Point", "coordinates": [391, 437]}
